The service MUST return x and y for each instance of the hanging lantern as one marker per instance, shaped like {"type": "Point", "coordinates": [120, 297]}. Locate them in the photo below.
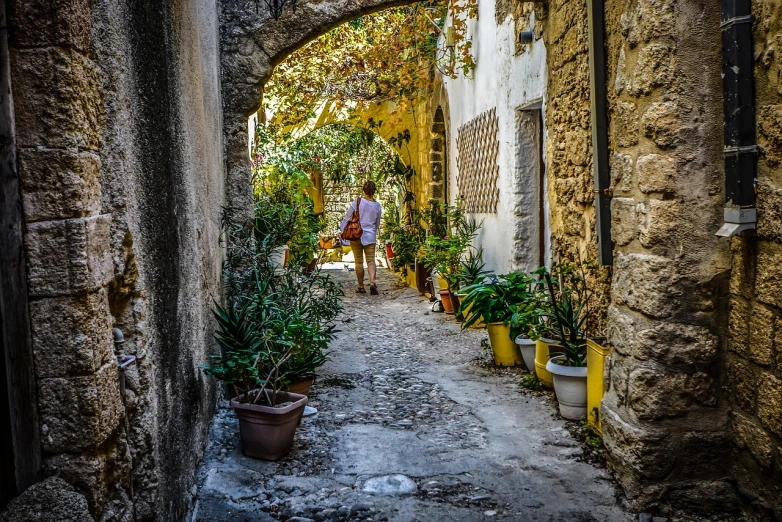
{"type": "Point", "coordinates": [275, 7]}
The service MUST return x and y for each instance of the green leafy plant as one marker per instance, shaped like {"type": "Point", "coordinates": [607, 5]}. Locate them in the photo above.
{"type": "Point", "coordinates": [447, 253]}
{"type": "Point", "coordinates": [473, 269]}
{"type": "Point", "coordinates": [569, 317]}
{"type": "Point", "coordinates": [515, 299]}
{"type": "Point", "coordinates": [531, 381]}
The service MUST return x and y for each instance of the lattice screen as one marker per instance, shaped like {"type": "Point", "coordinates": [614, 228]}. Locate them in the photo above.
{"type": "Point", "coordinates": [477, 148]}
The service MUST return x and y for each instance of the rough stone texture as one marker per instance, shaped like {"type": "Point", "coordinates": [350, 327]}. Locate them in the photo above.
{"type": "Point", "coordinates": [69, 256]}
{"type": "Point", "coordinates": [624, 227]}
{"type": "Point", "coordinates": [52, 500]}
{"type": "Point", "coordinates": [656, 173]}
{"type": "Point", "coordinates": [669, 312]}
{"type": "Point", "coordinates": [71, 335]}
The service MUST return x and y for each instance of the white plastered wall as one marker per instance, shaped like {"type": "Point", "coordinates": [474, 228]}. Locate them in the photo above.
{"type": "Point", "coordinates": [506, 82]}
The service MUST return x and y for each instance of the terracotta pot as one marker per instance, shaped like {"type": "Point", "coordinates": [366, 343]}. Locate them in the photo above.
{"type": "Point", "coordinates": [445, 297]}
{"type": "Point", "coordinates": [267, 433]}
{"type": "Point", "coordinates": [310, 268]}
{"type": "Point", "coordinates": [421, 275]}
{"type": "Point", "coordinates": [389, 252]}
{"type": "Point", "coordinates": [301, 387]}
{"type": "Point", "coordinates": [326, 244]}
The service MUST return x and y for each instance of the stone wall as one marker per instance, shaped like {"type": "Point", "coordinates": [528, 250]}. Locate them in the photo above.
{"type": "Point", "coordinates": [120, 160]}
{"type": "Point", "coordinates": [755, 334]}
{"type": "Point", "coordinates": [665, 415]}
{"type": "Point", "coordinates": [563, 24]}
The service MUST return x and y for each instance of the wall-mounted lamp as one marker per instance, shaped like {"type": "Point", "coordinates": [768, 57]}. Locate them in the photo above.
{"type": "Point", "coordinates": [526, 37]}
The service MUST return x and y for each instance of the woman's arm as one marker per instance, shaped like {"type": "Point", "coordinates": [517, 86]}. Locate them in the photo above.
{"type": "Point", "coordinates": [379, 214]}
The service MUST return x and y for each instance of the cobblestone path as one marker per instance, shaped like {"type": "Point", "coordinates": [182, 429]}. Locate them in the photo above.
{"type": "Point", "coordinates": [407, 393]}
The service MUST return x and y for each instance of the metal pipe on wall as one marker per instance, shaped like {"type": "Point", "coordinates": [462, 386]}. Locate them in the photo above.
{"type": "Point", "coordinates": [597, 91]}
{"type": "Point", "coordinates": [739, 108]}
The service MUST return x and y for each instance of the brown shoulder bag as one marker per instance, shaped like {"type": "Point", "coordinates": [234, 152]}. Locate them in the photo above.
{"type": "Point", "coordinates": [353, 230]}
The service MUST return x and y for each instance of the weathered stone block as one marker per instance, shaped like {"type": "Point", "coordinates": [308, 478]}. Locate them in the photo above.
{"type": "Point", "coordinates": [636, 450]}
{"type": "Point", "coordinates": [654, 68]}
{"type": "Point", "coordinates": [57, 99]}
{"type": "Point", "coordinates": [79, 413]}
{"type": "Point", "coordinates": [743, 267]}
{"type": "Point", "coordinates": [98, 474]}
{"type": "Point", "coordinates": [661, 124]}
{"type": "Point", "coordinates": [621, 172]}
{"type": "Point", "coordinates": [655, 394]}
{"type": "Point", "coordinates": [769, 203]}
{"type": "Point", "coordinates": [705, 498]}
{"type": "Point", "coordinates": [623, 221]}
{"type": "Point", "coordinates": [655, 19]}
{"type": "Point", "coordinates": [770, 133]}
{"type": "Point", "coordinates": [770, 402]}
{"type": "Point", "coordinates": [646, 283]}
{"type": "Point", "coordinates": [59, 184]}
{"type": "Point", "coordinates": [738, 326]}
{"type": "Point", "coordinates": [749, 435]}
{"type": "Point", "coordinates": [621, 72]}
{"type": "Point", "coordinates": [43, 23]}
{"type": "Point", "coordinates": [761, 335]}
{"type": "Point", "coordinates": [676, 344]}
{"type": "Point", "coordinates": [769, 276]}
{"type": "Point", "coordinates": [745, 385]}
{"type": "Point", "coordinates": [70, 256]}
{"type": "Point", "coordinates": [657, 221]}
{"type": "Point", "coordinates": [704, 453]}
{"type": "Point", "coordinates": [621, 329]}
{"type": "Point", "coordinates": [578, 145]}
{"type": "Point", "coordinates": [626, 127]}
{"type": "Point", "coordinates": [52, 500]}
{"type": "Point", "coordinates": [71, 335]}
{"type": "Point", "coordinates": [656, 173]}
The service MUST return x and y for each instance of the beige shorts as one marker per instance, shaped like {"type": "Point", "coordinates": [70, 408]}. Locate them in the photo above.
{"type": "Point", "coordinates": [361, 251]}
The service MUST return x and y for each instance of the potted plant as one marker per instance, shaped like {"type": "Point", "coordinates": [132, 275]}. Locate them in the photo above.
{"type": "Point", "coordinates": [569, 313]}
{"type": "Point", "coordinates": [502, 302]}
{"type": "Point", "coordinates": [473, 271]}
{"type": "Point", "coordinates": [268, 416]}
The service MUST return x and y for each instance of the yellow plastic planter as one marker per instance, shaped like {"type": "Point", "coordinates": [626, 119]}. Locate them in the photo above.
{"type": "Point", "coordinates": [541, 360]}
{"type": "Point", "coordinates": [410, 279]}
{"type": "Point", "coordinates": [596, 361]}
{"type": "Point", "coordinates": [442, 282]}
{"type": "Point", "coordinates": [476, 324]}
{"type": "Point", "coordinates": [506, 352]}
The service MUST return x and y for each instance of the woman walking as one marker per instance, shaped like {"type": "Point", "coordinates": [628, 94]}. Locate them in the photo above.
{"type": "Point", "coordinates": [369, 216]}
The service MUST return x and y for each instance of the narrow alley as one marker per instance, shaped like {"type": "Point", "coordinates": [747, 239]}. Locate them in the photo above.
{"type": "Point", "coordinates": [406, 392]}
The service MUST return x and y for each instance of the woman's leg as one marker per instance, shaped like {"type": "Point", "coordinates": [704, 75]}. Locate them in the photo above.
{"type": "Point", "coordinates": [358, 256]}
{"type": "Point", "coordinates": [369, 252]}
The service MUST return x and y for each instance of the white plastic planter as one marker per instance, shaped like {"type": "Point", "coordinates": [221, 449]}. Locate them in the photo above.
{"type": "Point", "coordinates": [570, 385]}
{"type": "Point", "coordinates": [527, 347]}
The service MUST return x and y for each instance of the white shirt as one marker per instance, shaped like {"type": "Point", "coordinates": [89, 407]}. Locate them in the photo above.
{"type": "Point", "coordinates": [369, 216]}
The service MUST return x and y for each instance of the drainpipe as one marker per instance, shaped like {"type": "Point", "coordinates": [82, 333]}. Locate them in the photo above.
{"type": "Point", "coordinates": [738, 105]}
{"type": "Point", "coordinates": [597, 91]}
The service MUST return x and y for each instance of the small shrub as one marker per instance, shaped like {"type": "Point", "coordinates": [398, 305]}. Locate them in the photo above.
{"type": "Point", "coordinates": [531, 381]}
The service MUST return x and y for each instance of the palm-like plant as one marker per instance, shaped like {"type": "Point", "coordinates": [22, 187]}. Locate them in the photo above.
{"type": "Point", "coordinates": [569, 317]}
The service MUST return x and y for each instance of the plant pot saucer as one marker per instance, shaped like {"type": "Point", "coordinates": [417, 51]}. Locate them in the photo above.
{"type": "Point", "coordinates": [309, 411]}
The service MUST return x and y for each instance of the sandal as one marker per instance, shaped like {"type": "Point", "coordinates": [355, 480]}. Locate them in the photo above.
{"type": "Point", "coordinates": [361, 290]}
{"type": "Point", "coordinates": [373, 289]}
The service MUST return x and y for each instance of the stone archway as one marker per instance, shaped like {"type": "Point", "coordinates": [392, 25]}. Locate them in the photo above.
{"type": "Point", "coordinates": [251, 46]}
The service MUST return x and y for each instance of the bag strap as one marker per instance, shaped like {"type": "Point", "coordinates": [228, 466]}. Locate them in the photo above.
{"type": "Point", "coordinates": [358, 203]}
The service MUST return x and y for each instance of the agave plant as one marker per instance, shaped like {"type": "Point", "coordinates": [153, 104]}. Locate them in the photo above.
{"type": "Point", "coordinates": [569, 318]}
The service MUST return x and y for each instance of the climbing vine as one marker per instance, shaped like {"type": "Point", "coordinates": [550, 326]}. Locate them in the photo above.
{"type": "Point", "coordinates": [387, 56]}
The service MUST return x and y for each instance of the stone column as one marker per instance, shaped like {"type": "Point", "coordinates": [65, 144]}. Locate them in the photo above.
{"type": "Point", "coordinates": [58, 105]}
{"type": "Point", "coordinates": [664, 416]}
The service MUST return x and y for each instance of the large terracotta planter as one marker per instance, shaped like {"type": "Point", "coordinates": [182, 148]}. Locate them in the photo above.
{"type": "Point", "coordinates": [266, 432]}
{"type": "Point", "coordinates": [389, 252]}
{"type": "Point", "coordinates": [506, 352]}
{"type": "Point", "coordinates": [445, 297]}
{"type": "Point", "coordinates": [301, 387]}
{"type": "Point", "coordinates": [528, 347]}
{"type": "Point", "coordinates": [570, 385]}
{"type": "Point", "coordinates": [421, 275]}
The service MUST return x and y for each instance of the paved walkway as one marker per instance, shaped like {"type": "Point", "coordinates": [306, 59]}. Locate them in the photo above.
{"type": "Point", "coordinates": [407, 393]}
